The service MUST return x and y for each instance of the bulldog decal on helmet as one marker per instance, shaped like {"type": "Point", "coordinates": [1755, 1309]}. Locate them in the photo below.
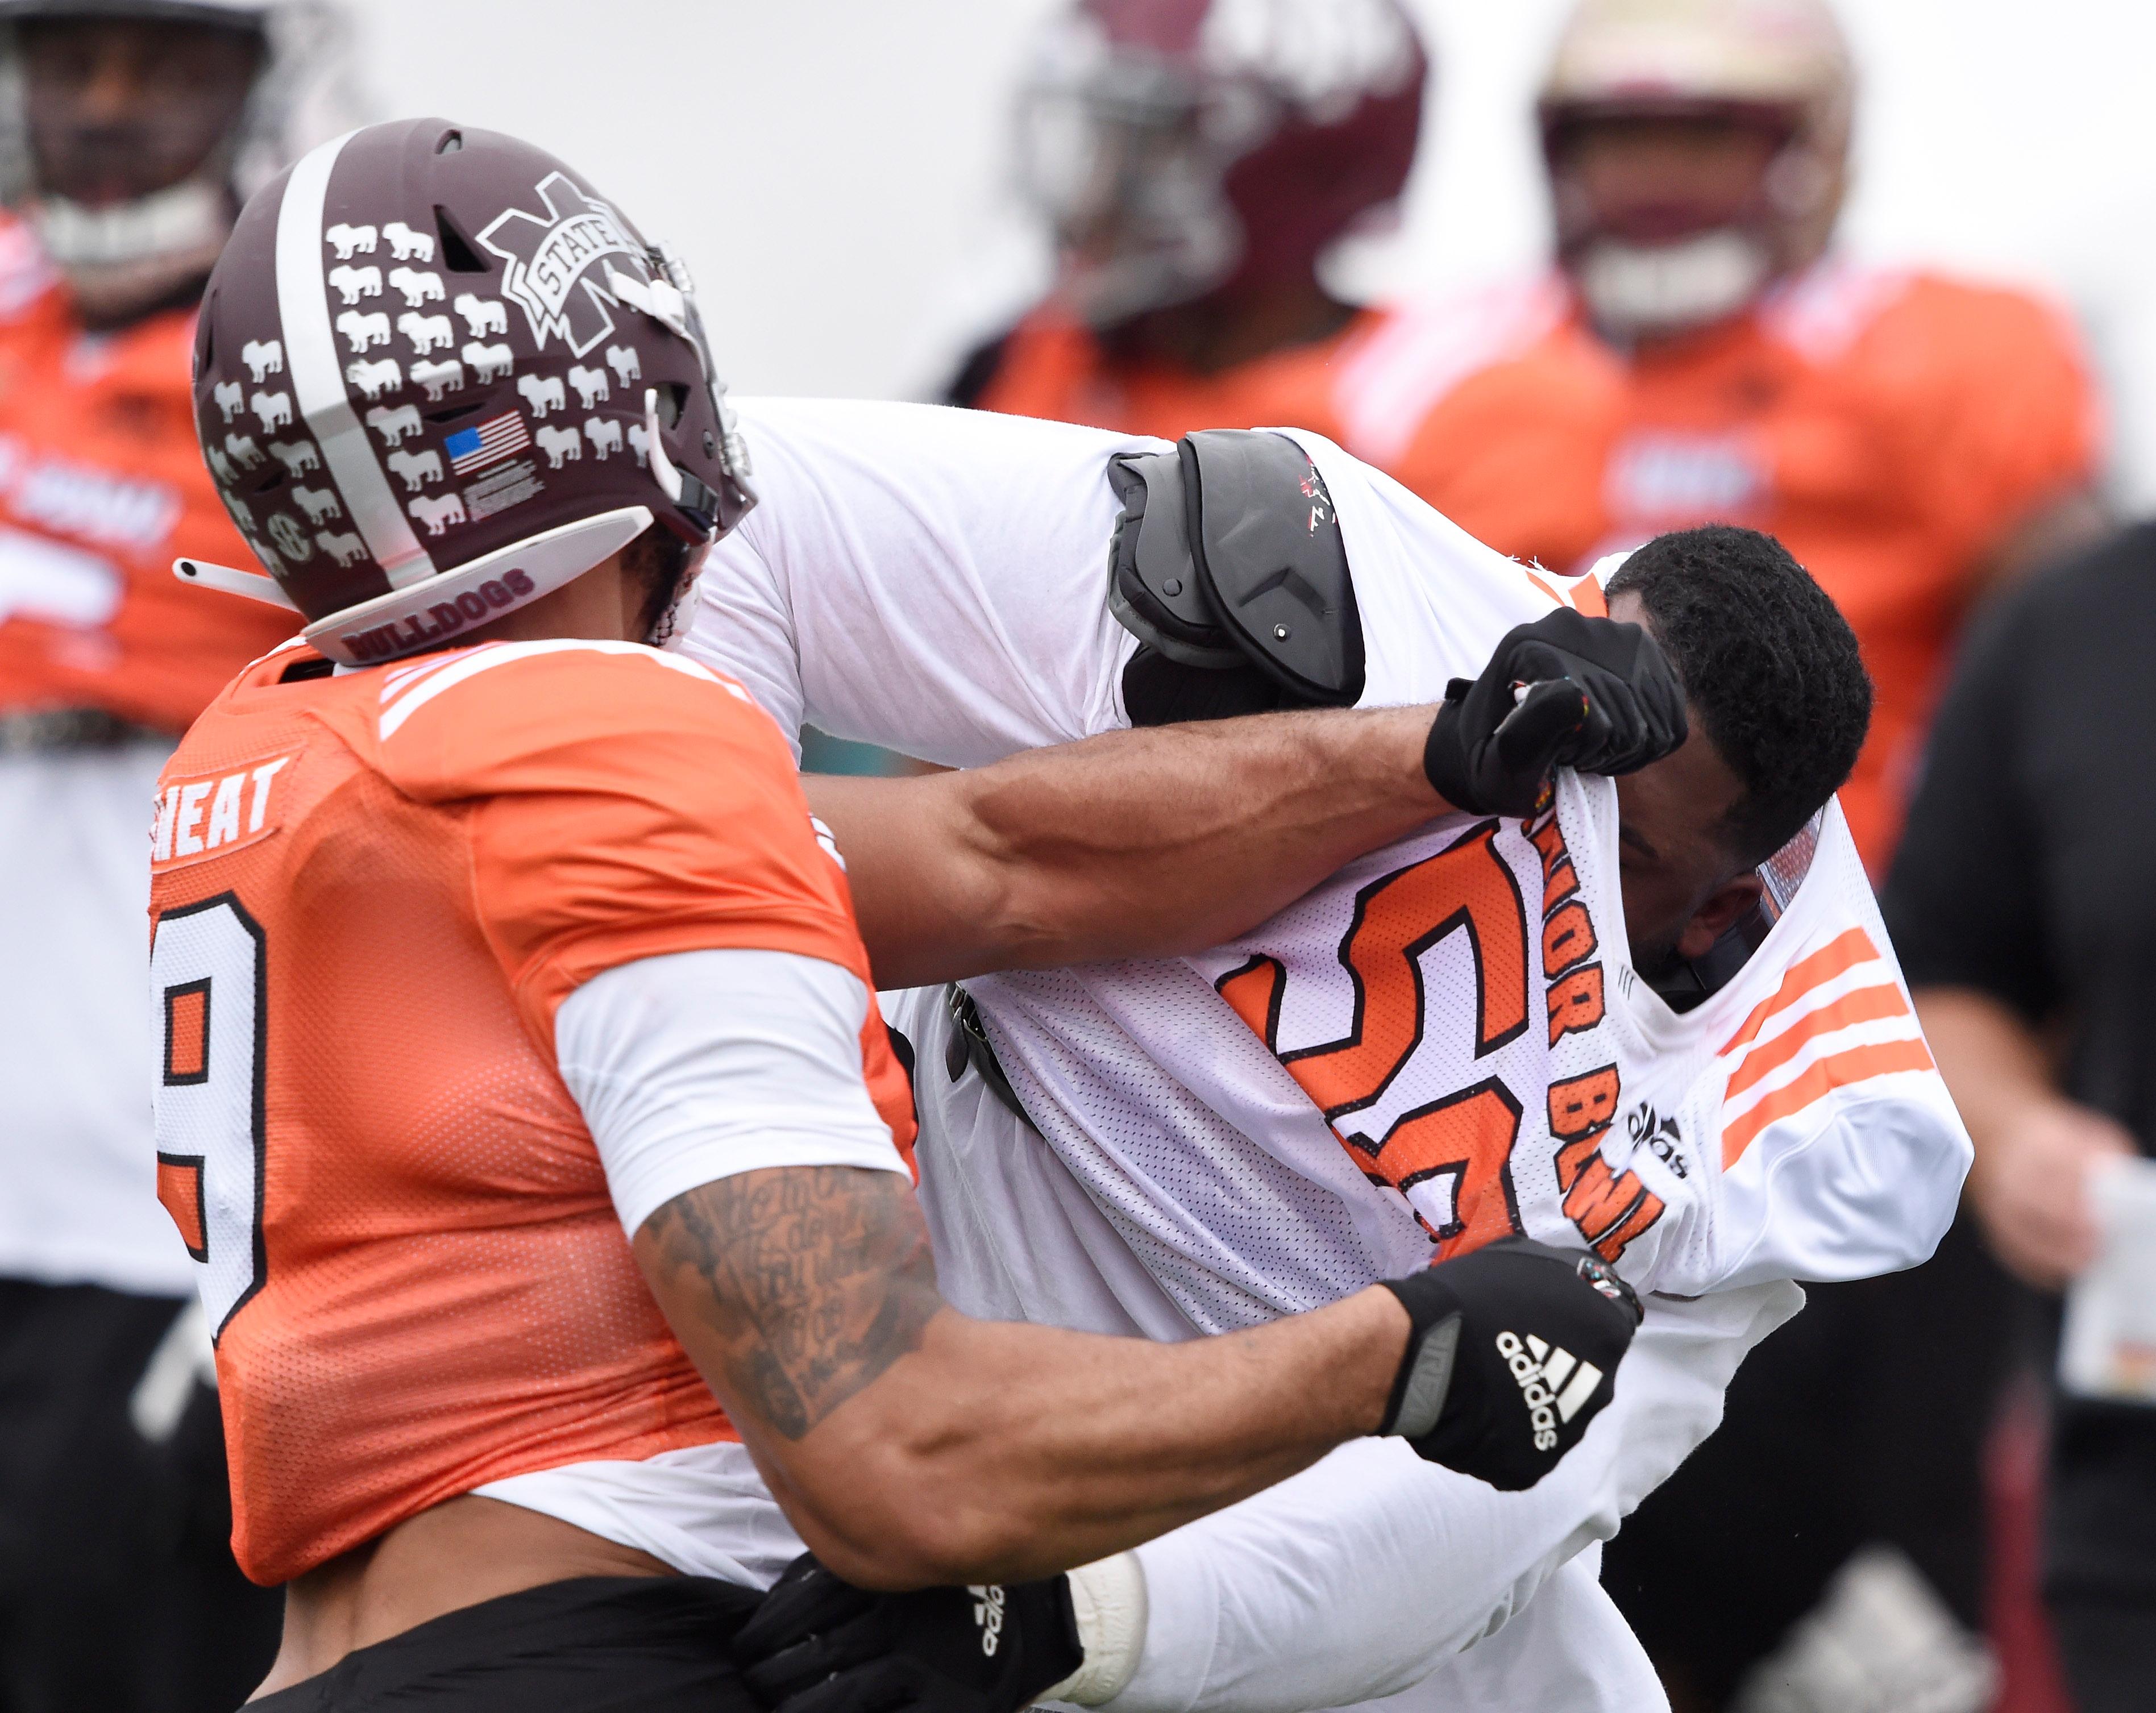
{"type": "Point", "coordinates": [488, 383]}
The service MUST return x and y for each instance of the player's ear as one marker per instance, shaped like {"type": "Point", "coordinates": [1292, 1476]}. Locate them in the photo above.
{"type": "Point", "coordinates": [1725, 906]}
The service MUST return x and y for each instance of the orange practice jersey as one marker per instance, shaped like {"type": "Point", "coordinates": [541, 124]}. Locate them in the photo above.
{"type": "Point", "coordinates": [101, 486]}
{"type": "Point", "coordinates": [1889, 428]}
{"type": "Point", "coordinates": [1052, 367]}
{"type": "Point", "coordinates": [371, 894]}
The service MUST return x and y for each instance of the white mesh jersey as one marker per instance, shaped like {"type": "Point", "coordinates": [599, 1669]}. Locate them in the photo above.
{"type": "Point", "coordinates": [936, 581]}
{"type": "Point", "coordinates": [1444, 1043]}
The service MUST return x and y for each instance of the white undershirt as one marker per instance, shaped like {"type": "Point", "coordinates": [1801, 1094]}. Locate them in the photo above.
{"type": "Point", "coordinates": [689, 1068]}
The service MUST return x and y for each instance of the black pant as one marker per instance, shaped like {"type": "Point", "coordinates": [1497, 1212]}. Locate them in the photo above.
{"type": "Point", "coordinates": [2100, 1552]}
{"type": "Point", "coordinates": [2109, 1652]}
{"type": "Point", "coordinates": [598, 1645]}
{"type": "Point", "coordinates": [1864, 1419]}
{"type": "Point", "coordinates": [118, 1592]}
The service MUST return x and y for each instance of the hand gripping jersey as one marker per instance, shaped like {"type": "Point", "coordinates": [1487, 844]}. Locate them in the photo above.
{"type": "Point", "coordinates": [1453, 1047]}
{"type": "Point", "coordinates": [1891, 428]}
{"type": "Point", "coordinates": [1462, 1010]}
{"type": "Point", "coordinates": [937, 581]}
{"type": "Point", "coordinates": [1271, 1125]}
{"type": "Point", "coordinates": [371, 893]}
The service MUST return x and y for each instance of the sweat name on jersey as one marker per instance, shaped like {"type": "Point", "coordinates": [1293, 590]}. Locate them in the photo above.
{"type": "Point", "coordinates": [371, 893]}
{"type": "Point", "coordinates": [225, 811]}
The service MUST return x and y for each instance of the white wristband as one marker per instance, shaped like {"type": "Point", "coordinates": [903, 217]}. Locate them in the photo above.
{"type": "Point", "coordinates": [1109, 1597]}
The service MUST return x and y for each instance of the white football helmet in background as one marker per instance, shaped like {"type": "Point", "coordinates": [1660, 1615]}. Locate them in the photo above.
{"type": "Point", "coordinates": [1782, 65]}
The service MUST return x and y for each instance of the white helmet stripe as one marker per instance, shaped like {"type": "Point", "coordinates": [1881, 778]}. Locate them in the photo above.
{"type": "Point", "coordinates": [318, 381]}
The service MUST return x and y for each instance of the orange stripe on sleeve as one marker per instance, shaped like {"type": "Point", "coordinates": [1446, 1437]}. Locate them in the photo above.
{"type": "Point", "coordinates": [1845, 950]}
{"type": "Point", "coordinates": [1543, 587]}
{"type": "Point", "coordinates": [1587, 597]}
{"type": "Point", "coordinates": [1858, 1064]}
{"type": "Point", "coordinates": [1862, 1005]}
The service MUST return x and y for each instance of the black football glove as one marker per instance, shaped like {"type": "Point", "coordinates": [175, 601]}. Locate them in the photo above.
{"type": "Point", "coordinates": [818, 1645]}
{"type": "Point", "coordinates": [1566, 691]}
{"type": "Point", "coordinates": [1514, 1351]}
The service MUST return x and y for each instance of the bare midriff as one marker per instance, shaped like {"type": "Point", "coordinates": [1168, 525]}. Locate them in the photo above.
{"type": "Point", "coordinates": [460, 1553]}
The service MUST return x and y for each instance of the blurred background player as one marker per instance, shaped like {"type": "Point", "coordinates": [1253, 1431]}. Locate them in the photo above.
{"type": "Point", "coordinates": [1197, 160]}
{"type": "Point", "coordinates": [132, 129]}
{"type": "Point", "coordinates": [1699, 353]}
{"type": "Point", "coordinates": [2019, 901]}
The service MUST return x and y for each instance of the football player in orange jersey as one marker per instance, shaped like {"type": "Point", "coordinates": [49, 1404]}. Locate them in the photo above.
{"type": "Point", "coordinates": [1197, 160]}
{"type": "Point", "coordinates": [1700, 352]}
{"type": "Point", "coordinates": [522, 1100]}
{"type": "Point", "coordinates": [140, 123]}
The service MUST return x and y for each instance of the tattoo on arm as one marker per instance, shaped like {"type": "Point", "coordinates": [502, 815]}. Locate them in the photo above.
{"type": "Point", "coordinates": [809, 1282]}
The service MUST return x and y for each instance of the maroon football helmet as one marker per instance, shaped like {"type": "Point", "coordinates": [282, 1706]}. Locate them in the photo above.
{"type": "Point", "coordinates": [437, 376]}
{"type": "Point", "coordinates": [1181, 147]}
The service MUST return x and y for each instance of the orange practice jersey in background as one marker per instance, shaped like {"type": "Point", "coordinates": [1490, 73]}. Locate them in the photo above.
{"type": "Point", "coordinates": [1052, 367]}
{"type": "Point", "coordinates": [1889, 428]}
{"type": "Point", "coordinates": [371, 893]}
{"type": "Point", "coordinates": [101, 486]}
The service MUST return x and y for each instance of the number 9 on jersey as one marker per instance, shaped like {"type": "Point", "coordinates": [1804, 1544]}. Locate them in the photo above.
{"type": "Point", "coordinates": [208, 974]}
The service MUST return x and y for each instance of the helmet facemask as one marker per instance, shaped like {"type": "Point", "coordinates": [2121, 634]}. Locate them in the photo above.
{"type": "Point", "coordinates": [1176, 152]}
{"type": "Point", "coordinates": [1128, 164]}
{"type": "Point", "coordinates": [137, 129]}
{"type": "Point", "coordinates": [1666, 219]}
{"type": "Point", "coordinates": [1697, 153]}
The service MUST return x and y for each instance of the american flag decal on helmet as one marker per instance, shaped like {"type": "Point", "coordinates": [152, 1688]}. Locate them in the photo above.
{"type": "Point", "coordinates": [487, 443]}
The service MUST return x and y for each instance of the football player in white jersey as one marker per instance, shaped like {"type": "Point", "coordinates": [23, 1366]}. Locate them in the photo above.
{"type": "Point", "coordinates": [1671, 1030]}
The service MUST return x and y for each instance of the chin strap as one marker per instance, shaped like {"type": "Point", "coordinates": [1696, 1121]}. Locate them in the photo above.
{"type": "Point", "coordinates": [670, 298]}
{"type": "Point", "coordinates": [119, 261]}
{"type": "Point", "coordinates": [661, 300]}
{"type": "Point", "coordinates": [686, 491]}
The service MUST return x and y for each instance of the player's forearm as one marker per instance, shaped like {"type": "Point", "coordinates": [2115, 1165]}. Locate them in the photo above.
{"type": "Point", "coordinates": [1131, 844]}
{"type": "Point", "coordinates": [999, 1453]}
{"type": "Point", "coordinates": [912, 1446]}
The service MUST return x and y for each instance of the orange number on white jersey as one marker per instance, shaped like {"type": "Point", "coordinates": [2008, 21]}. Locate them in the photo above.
{"type": "Point", "coordinates": [1466, 1137]}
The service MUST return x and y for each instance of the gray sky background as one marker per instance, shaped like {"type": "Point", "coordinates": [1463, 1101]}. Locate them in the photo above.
{"type": "Point", "coordinates": [835, 170]}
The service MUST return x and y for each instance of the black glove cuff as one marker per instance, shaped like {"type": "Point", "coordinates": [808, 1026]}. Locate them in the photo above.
{"type": "Point", "coordinates": [1424, 1380]}
{"type": "Point", "coordinates": [1445, 753]}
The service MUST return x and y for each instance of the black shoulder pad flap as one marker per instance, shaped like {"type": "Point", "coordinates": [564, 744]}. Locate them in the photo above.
{"type": "Point", "coordinates": [1154, 588]}
{"type": "Point", "coordinates": [1269, 546]}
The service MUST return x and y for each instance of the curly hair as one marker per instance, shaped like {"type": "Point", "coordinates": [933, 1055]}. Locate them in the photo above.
{"type": "Point", "coordinates": [1770, 668]}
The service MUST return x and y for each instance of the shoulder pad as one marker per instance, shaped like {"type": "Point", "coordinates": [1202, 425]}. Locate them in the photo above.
{"type": "Point", "coordinates": [1228, 555]}
{"type": "Point", "coordinates": [1269, 544]}
{"type": "Point", "coordinates": [1155, 589]}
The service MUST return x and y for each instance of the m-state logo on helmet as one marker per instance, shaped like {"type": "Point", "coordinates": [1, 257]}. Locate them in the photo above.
{"type": "Point", "coordinates": [1698, 151]}
{"type": "Point", "coordinates": [1181, 147]}
{"type": "Point", "coordinates": [438, 376]}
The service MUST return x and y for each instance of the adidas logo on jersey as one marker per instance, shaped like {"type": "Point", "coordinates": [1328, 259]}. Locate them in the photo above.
{"type": "Point", "coordinates": [1554, 1384]}
{"type": "Point", "coordinates": [987, 1613]}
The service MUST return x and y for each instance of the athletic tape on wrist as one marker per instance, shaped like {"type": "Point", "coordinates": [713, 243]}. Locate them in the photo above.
{"type": "Point", "coordinates": [1109, 1597]}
